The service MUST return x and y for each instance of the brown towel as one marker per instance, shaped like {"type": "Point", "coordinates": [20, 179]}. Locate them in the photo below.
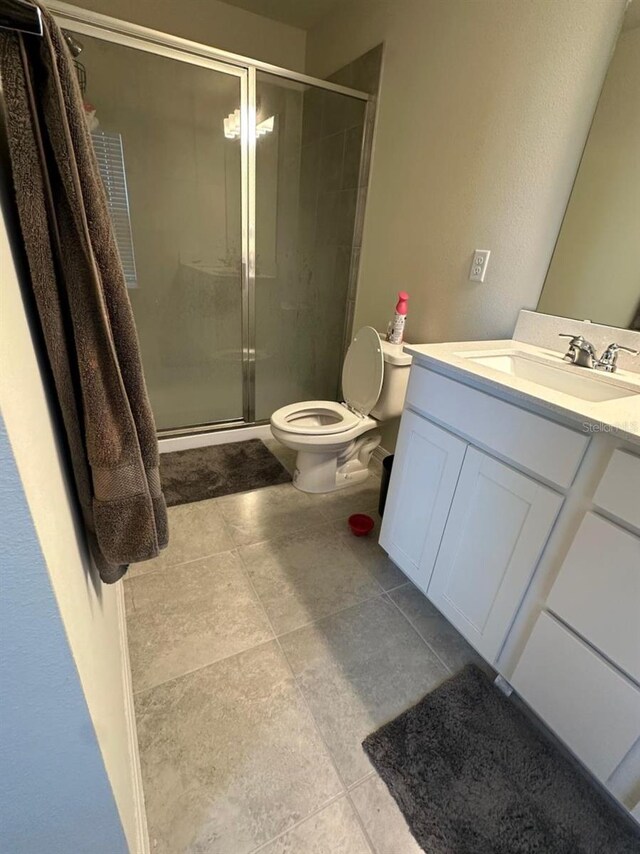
{"type": "Point", "coordinates": [82, 302]}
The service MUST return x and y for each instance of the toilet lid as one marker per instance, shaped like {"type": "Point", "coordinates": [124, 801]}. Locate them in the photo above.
{"type": "Point", "coordinates": [363, 370]}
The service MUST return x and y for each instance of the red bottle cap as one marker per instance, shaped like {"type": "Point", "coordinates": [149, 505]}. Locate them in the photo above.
{"type": "Point", "coordinates": [403, 298]}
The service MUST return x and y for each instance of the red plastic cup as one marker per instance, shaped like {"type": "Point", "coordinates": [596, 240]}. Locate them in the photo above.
{"type": "Point", "coordinates": [360, 524]}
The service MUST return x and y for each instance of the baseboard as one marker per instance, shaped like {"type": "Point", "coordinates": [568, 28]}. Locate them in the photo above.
{"type": "Point", "coordinates": [142, 833]}
{"type": "Point", "coordinates": [215, 437]}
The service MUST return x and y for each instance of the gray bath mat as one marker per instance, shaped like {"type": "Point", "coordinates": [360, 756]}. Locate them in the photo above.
{"type": "Point", "coordinates": [199, 473]}
{"type": "Point", "coordinates": [472, 775]}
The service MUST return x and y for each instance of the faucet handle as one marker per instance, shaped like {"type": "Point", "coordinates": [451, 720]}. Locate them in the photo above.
{"type": "Point", "coordinates": [609, 359]}
{"type": "Point", "coordinates": [581, 352]}
{"type": "Point", "coordinates": [616, 347]}
{"type": "Point", "coordinates": [574, 344]}
{"type": "Point", "coordinates": [577, 341]}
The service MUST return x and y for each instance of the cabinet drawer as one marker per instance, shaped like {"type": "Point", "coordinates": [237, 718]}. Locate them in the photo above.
{"type": "Point", "coordinates": [619, 490]}
{"type": "Point", "coordinates": [529, 440]}
{"type": "Point", "coordinates": [597, 591]}
{"type": "Point", "coordinates": [591, 707]}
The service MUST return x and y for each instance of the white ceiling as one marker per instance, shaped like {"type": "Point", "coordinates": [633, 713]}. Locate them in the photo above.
{"type": "Point", "coordinates": [299, 13]}
{"type": "Point", "coordinates": [307, 13]}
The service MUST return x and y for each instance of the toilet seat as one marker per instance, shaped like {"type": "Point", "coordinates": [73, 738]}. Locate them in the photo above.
{"type": "Point", "coordinates": [335, 441]}
{"type": "Point", "coordinates": [362, 375]}
{"type": "Point", "coordinates": [363, 371]}
{"type": "Point", "coordinates": [315, 418]}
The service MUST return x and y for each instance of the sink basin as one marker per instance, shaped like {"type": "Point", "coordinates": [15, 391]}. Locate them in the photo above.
{"type": "Point", "coordinates": [583, 383]}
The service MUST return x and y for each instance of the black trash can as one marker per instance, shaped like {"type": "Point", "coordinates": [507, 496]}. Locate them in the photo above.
{"type": "Point", "coordinates": [387, 464]}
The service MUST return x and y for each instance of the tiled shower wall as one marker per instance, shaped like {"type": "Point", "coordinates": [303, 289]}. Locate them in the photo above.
{"type": "Point", "coordinates": [333, 179]}
{"type": "Point", "coordinates": [364, 74]}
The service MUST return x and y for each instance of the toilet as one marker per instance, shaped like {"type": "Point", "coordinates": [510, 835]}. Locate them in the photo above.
{"type": "Point", "coordinates": [335, 441]}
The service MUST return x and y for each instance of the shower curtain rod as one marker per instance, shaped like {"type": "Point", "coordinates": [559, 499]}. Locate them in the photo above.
{"type": "Point", "coordinates": [22, 15]}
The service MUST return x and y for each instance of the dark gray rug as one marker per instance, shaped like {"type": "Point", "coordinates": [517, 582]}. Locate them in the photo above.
{"type": "Point", "coordinates": [472, 775]}
{"type": "Point", "coordinates": [216, 470]}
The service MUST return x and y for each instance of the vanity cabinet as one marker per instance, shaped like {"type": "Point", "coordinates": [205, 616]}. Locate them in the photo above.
{"type": "Point", "coordinates": [525, 533]}
{"type": "Point", "coordinates": [498, 524]}
{"type": "Point", "coordinates": [466, 527]}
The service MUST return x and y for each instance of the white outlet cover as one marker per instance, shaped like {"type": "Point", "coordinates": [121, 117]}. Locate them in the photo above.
{"type": "Point", "coordinates": [479, 265]}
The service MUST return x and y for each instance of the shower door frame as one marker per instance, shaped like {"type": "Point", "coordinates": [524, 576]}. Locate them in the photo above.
{"type": "Point", "coordinates": [123, 33]}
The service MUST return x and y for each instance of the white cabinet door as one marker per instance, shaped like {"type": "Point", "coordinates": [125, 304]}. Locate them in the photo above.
{"type": "Point", "coordinates": [498, 525]}
{"type": "Point", "coordinates": [425, 472]}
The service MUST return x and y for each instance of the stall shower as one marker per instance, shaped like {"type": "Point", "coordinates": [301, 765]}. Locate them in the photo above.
{"type": "Point", "coordinates": [237, 194]}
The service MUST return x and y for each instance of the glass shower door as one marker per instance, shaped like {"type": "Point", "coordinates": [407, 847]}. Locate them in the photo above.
{"type": "Point", "coordinates": [167, 132]}
{"type": "Point", "coordinates": [307, 186]}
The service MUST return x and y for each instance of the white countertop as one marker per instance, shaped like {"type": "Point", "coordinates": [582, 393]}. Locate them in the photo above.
{"type": "Point", "coordinates": [620, 416]}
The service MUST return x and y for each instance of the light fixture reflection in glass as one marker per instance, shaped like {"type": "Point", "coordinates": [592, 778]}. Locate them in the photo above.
{"type": "Point", "coordinates": [265, 127]}
{"type": "Point", "coordinates": [232, 126]}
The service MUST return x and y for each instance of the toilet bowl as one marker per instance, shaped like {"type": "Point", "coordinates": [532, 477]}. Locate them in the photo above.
{"type": "Point", "coordinates": [335, 441]}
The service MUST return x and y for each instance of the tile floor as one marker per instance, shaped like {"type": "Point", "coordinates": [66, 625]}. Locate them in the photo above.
{"type": "Point", "coordinates": [266, 643]}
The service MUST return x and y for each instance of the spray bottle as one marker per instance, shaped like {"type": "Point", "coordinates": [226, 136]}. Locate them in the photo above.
{"type": "Point", "coordinates": [396, 327]}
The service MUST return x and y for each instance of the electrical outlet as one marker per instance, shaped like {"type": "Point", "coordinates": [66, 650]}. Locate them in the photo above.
{"type": "Point", "coordinates": [479, 265]}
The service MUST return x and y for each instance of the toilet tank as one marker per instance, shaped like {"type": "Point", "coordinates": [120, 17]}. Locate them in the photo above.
{"type": "Point", "coordinates": [394, 382]}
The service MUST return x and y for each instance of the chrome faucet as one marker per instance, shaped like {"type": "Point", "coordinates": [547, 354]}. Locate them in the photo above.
{"type": "Point", "coordinates": [608, 361]}
{"type": "Point", "coordinates": [581, 352]}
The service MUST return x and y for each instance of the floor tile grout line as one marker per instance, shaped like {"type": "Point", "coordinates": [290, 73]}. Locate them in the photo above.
{"type": "Point", "coordinates": [377, 595]}
{"type": "Point", "coordinates": [380, 594]}
{"type": "Point", "coordinates": [151, 569]}
{"type": "Point", "coordinates": [327, 748]}
{"type": "Point", "coordinates": [327, 520]}
{"type": "Point", "coordinates": [398, 586]}
{"type": "Point", "coordinates": [358, 817]}
{"type": "Point", "coordinates": [424, 641]}
{"type": "Point", "coordinates": [320, 734]}
{"type": "Point", "coordinates": [137, 691]}
{"type": "Point", "coordinates": [276, 637]}
{"type": "Point", "coordinates": [345, 786]}
{"type": "Point", "coordinates": [325, 523]}
{"type": "Point", "coordinates": [345, 789]}
{"type": "Point", "coordinates": [315, 526]}
{"type": "Point", "coordinates": [201, 557]}
{"type": "Point", "coordinates": [219, 555]}
{"type": "Point", "coordinates": [332, 800]}
{"type": "Point", "coordinates": [362, 780]}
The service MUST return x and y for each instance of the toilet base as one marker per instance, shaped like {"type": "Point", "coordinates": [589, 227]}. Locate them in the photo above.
{"type": "Point", "coordinates": [328, 471]}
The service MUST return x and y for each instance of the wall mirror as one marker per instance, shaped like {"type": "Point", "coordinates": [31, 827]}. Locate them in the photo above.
{"type": "Point", "coordinates": [595, 269]}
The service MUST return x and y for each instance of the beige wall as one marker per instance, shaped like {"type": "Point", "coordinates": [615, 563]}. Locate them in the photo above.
{"type": "Point", "coordinates": [92, 613]}
{"type": "Point", "coordinates": [595, 272]}
{"type": "Point", "coordinates": [214, 23]}
{"type": "Point", "coordinates": [484, 109]}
